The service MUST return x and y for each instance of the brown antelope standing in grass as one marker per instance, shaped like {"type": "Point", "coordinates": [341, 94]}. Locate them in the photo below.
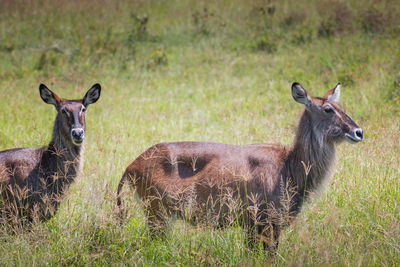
{"type": "Point", "coordinates": [33, 180]}
{"type": "Point", "coordinates": [269, 183]}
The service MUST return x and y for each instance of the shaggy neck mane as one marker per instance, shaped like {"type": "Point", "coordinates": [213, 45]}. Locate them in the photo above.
{"type": "Point", "coordinates": [309, 160]}
{"type": "Point", "coordinates": [66, 157]}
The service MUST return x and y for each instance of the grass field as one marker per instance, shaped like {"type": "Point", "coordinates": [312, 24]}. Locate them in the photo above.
{"type": "Point", "coordinates": [217, 71]}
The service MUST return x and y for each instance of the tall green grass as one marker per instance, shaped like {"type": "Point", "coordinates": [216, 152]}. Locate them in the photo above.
{"type": "Point", "coordinates": [208, 71]}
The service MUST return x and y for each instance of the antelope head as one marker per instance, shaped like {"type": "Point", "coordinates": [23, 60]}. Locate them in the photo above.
{"type": "Point", "coordinates": [71, 113]}
{"type": "Point", "coordinates": [328, 120]}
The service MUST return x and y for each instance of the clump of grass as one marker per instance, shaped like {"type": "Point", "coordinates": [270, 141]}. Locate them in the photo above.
{"type": "Point", "coordinates": [266, 44]}
{"type": "Point", "coordinates": [395, 91]}
{"type": "Point", "coordinates": [139, 27]}
{"type": "Point", "coordinates": [158, 58]}
{"type": "Point", "coordinates": [201, 21]}
{"type": "Point", "coordinates": [206, 22]}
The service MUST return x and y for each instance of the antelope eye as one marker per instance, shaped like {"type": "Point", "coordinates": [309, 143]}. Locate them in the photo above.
{"type": "Point", "coordinates": [65, 112]}
{"type": "Point", "coordinates": [83, 109]}
{"type": "Point", "coordinates": [328, 109]}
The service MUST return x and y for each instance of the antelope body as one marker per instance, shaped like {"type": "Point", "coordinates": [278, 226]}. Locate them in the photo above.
{"type": "Point", "coordinates": [270, 182]}
{"type": "Point", "coordinates": [33, 180]}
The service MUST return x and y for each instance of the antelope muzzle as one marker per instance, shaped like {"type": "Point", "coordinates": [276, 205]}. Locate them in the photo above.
{"type": "Point", "coordinates": [355, 135]}
{"type": "Point", "coordinates": [78, 136]}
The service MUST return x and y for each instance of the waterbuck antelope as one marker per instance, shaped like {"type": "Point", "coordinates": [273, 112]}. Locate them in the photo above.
{"type": "Point", "coordinates": [268, 183]}
{"type": "Point", "coordinates": [33, 180]}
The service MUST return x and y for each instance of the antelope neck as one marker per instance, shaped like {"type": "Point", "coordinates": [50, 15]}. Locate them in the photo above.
{"type": "Point", "coordinates": [310, 159]}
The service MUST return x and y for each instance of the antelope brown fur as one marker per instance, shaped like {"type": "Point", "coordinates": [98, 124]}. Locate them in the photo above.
{"type": "Point", "coordinates": [270, 182]}
{"type": "Point", "coordinates": [33, 180]}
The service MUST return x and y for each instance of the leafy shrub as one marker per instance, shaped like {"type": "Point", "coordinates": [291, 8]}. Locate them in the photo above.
{"type": "Point", "coordinates": [294, 18]}
{"type": "Point", "coordinates": [373, 21]}
{"type": "Point", "coordinates": [336, 18]}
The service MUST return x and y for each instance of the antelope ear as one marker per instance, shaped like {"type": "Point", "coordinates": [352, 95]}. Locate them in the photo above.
{"type": "Point", "coordinates": [92, 95]}
{"type": "Point", "coordinates": [333, 94]}
{"type": "Point", "coordinates": [300, 94]}
{"type": "Point", "coordinates": [48, 96]}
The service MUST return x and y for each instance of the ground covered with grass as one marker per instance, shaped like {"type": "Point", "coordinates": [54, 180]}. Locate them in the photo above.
{"type": "Point", "coordinates": [206, 71]}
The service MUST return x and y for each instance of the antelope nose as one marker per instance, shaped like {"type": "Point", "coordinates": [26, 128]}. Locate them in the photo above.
{"type": "Point", "coordinates": [359, 133]}
{"type": "Point", "coordinates": [78, 134]}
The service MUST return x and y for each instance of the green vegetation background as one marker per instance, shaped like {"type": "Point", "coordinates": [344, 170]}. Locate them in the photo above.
{"type": "Point", "coordinates": [209, 71]}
